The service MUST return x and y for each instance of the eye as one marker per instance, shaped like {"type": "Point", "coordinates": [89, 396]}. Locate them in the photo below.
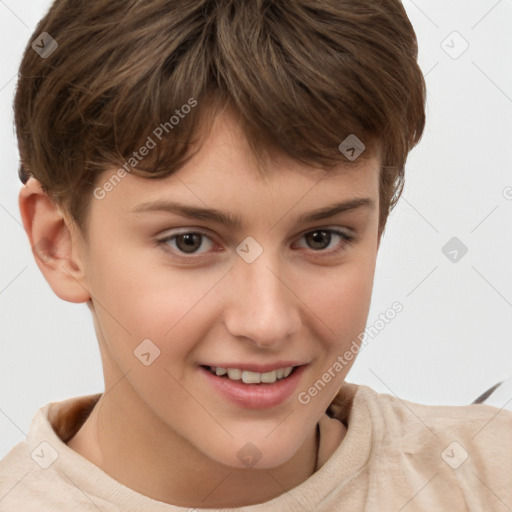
{"type": "Point", "coordinates": [320, 239]}
{"type": "Point", "coordinates": [187, 242]}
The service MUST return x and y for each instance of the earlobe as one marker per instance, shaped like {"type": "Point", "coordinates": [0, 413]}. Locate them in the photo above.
{"type": "Point", "coordinates": [54, 247]}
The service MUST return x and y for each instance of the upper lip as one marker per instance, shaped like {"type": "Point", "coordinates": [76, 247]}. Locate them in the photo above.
{"type": "Point", "coordinates": [254, 367]}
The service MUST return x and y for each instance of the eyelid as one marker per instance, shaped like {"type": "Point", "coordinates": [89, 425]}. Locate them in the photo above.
{"type": "Point", "coordinates": [344, 230]}
{"type": "Point", "coordinates": [183, 231]}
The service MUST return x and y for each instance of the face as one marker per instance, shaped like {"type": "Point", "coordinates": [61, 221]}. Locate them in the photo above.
{"type": "Point", "coordinates": [177, 295]}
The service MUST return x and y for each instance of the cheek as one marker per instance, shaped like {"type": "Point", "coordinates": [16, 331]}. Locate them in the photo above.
{"type": "Point", "coordinates": [134, 290]}
{"type": "Point", "coordinates": [138, 297]}
{"type": "Point", "coordinates": [342, 301]}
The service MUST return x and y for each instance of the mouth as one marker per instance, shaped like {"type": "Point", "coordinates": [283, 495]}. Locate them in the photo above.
{"type": "Point", "coordinates": [252, 377]}
{"type": "Point", "coordinates": [251, 389]}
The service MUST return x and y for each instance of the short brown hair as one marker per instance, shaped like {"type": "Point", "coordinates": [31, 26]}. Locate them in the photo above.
{"type": "Point", "coordinates": [302, 75]}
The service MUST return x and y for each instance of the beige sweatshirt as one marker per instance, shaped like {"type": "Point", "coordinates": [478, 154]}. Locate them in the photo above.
{"type": "Point", "coordinates": [397, 456]}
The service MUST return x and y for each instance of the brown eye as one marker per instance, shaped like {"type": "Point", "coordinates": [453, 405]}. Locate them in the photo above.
{"type": "Point", "coordinates": [318, 239]}
{"type": "Point", "coordinates": [189, 242]}
{"type": "Point", "coordinates": [327, 242]}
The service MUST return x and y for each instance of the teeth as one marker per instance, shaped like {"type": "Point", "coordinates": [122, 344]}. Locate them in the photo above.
{"type": "Point", "coordinates": [251, 377]}
{"type": "Point", "coordinates": [234, 373]}
{"type": "Point", "coordinates": [248, 377]}
{"type": "Point", "coordinates": [269, 376]}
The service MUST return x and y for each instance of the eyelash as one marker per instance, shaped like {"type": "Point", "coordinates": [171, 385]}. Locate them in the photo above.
{"type": "Point", "coordinates": [347, 240]}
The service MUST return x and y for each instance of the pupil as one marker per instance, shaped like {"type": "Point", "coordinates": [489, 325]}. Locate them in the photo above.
{"type": "Point", "coordinates": [192, 242]}
{"type": "Point", "coordinates": [317, 238]}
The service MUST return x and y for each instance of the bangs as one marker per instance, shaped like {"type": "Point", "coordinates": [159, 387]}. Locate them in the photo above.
{"type": "Point", "coordinates": [137, 85]}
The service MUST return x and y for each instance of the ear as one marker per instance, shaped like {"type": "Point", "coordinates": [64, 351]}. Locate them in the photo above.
{"type": "Point", "coordinates": [54, 242]}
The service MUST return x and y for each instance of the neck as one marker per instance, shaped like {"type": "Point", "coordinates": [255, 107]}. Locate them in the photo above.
{"type": "Point", "coordinates": [169, 469]}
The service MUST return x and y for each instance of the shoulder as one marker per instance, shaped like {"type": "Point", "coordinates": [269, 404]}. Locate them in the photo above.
{"type": "Point", "coordinates": [407, 416]}
{"type": "Point", "coordinates": [458, 453]}
{"type": "Point", "coordinates": [475, 441]}
{"type": "Point", "coordinates": [34, 474]}
{"type": "Point", "coordinates": [17, 471]}
{"type": "Point", "coordinates": [435, 436]}
{"type": "Point", "coordinates": [401, 418]}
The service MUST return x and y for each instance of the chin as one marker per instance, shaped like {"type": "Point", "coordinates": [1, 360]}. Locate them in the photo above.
{"type": "Point", "coordinates": [253, 455]}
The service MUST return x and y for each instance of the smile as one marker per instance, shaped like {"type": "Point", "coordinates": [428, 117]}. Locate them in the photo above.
{"type": "Point", "coordinates": [249, 377]}
{"type": "Point", "coordinates": [249, 389]}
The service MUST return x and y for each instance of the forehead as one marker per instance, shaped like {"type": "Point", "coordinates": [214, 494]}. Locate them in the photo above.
{"type": "Point", "coordinates": [213, 183]}
{"type": "Point", "coordinates": [226, 171]}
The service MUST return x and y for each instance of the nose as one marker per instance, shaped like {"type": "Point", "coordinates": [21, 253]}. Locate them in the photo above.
{"type": "Point", "coordinates": [263, 306]}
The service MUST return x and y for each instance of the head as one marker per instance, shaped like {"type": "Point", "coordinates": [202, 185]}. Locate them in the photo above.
{"type": "Point", "coordinates": [233, 106]}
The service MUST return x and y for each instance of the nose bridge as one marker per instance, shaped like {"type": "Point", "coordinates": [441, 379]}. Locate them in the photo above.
{"type": "Point", "coordinates": [264, 308]}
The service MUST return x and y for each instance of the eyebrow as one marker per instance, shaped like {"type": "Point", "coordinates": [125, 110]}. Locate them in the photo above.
{"type": "Point", "coordinates": [234, 222]}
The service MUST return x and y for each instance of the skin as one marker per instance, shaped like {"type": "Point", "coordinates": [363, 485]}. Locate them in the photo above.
{"type": "Point", "coordinates": [294, 302]}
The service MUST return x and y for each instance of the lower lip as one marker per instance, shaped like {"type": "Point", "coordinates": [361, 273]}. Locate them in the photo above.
{"type": "Point", "coordinates": [255, 396]}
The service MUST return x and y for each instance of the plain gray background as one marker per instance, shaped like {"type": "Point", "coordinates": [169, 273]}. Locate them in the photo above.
{"type": "Point", "coordinates": [453, 338]}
